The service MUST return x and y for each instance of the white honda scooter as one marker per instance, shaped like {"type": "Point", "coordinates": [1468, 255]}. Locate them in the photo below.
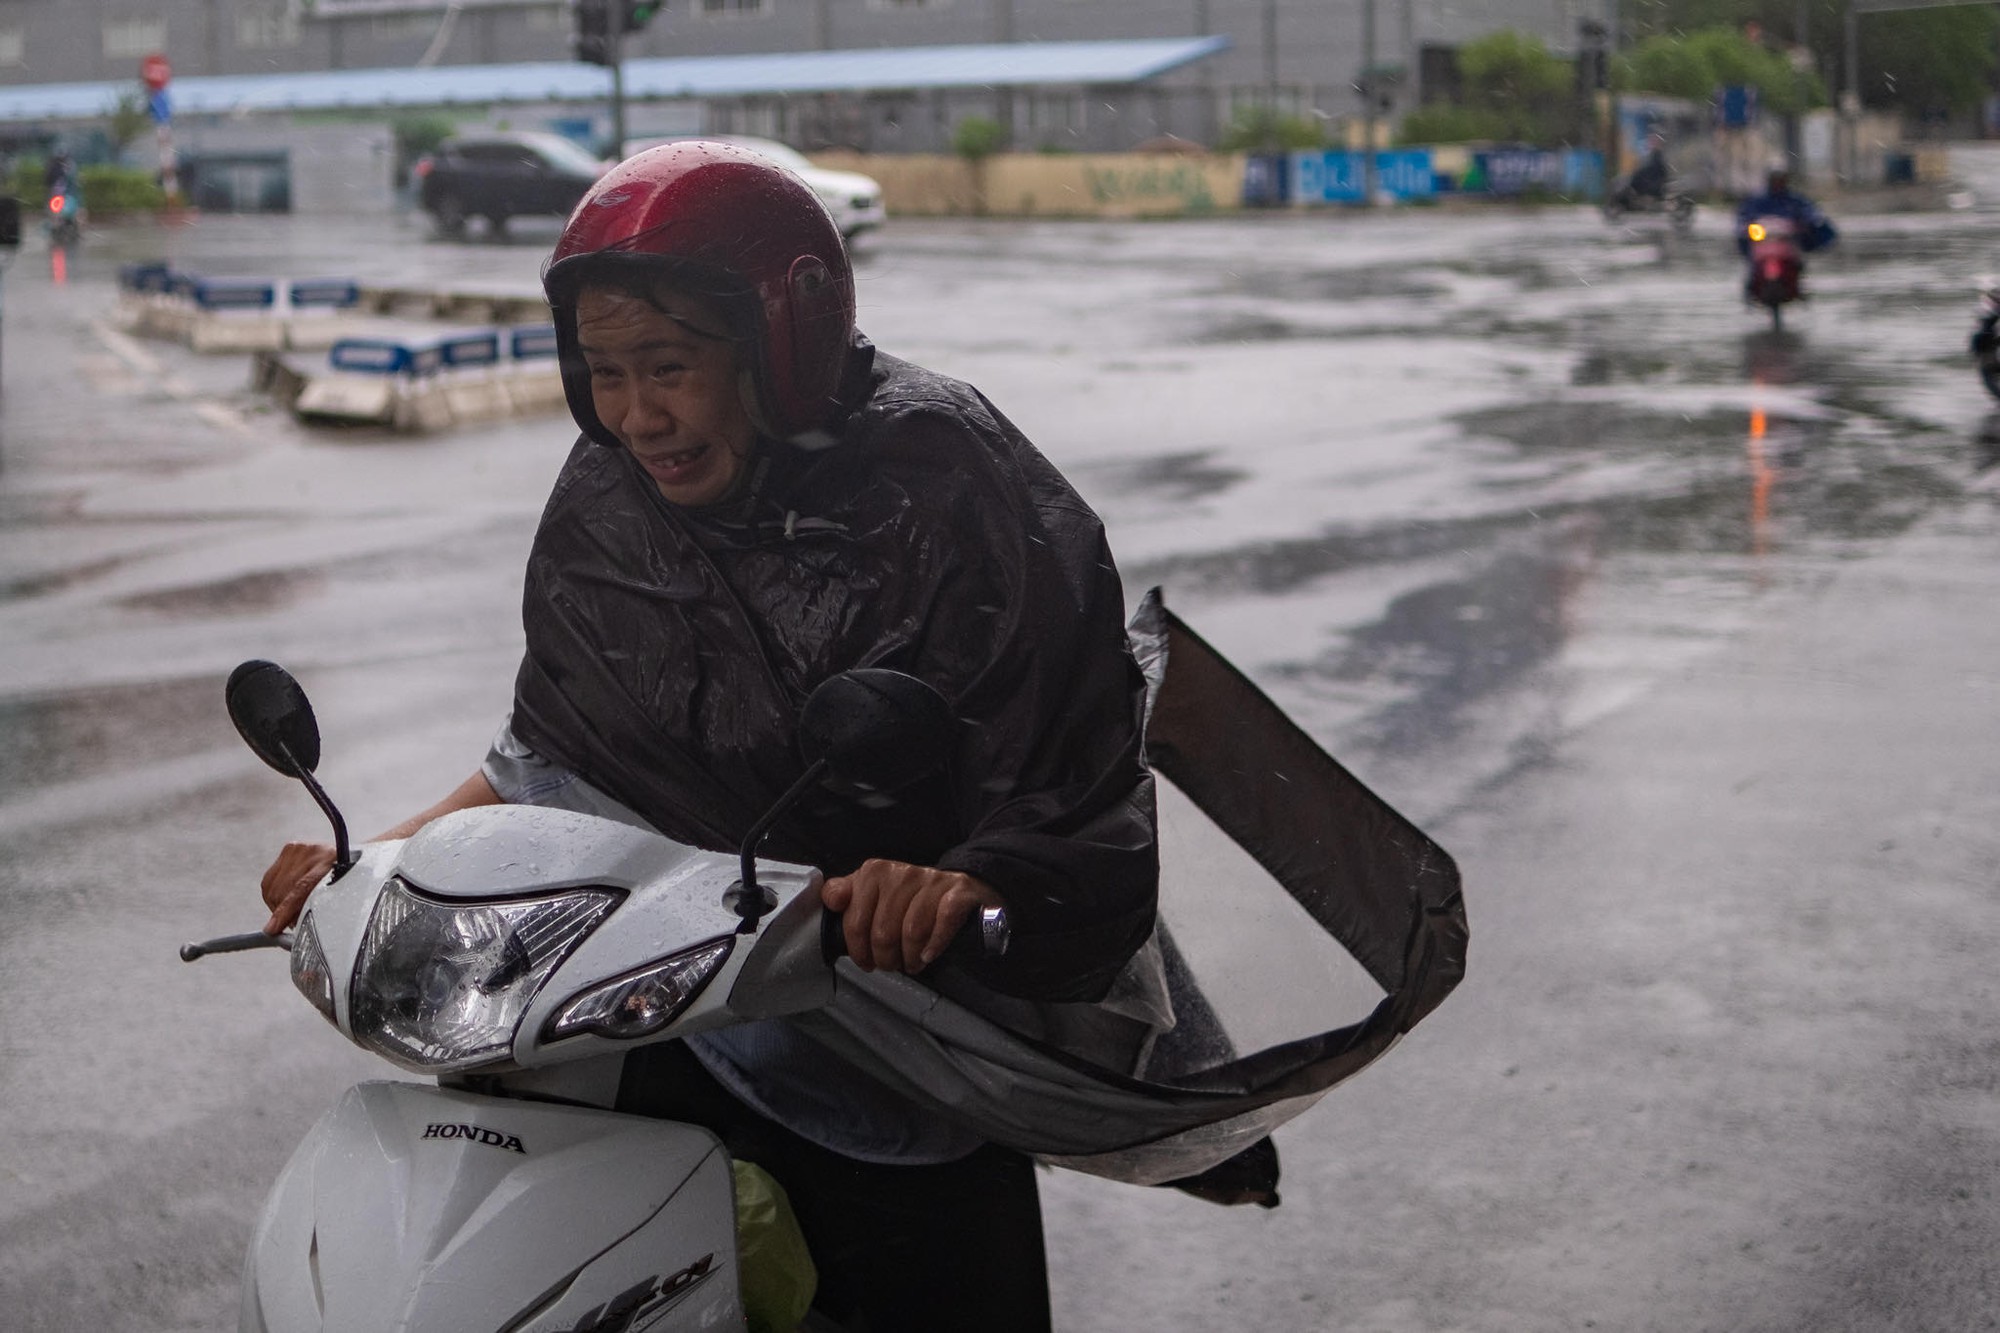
{"type": "Point", "coordinates": [516, 954]}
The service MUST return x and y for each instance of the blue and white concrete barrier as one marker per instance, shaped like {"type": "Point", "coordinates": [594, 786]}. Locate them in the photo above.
{"type": "Point", "coordinates": [237, 314]}
{"type": "Point", "coordinates": [422, 384]}
{"type": "Point", "coordinates": [320, 311]}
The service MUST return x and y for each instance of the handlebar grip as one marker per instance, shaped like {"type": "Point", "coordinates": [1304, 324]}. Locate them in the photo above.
{"type": "Point", "coordinates": [236, 944]}
{"type": "Point", "coordinates": [987, 934]}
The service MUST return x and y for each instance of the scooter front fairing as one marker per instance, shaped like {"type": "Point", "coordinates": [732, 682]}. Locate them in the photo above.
{"type": "Point", "coordinates": [411, 1207]}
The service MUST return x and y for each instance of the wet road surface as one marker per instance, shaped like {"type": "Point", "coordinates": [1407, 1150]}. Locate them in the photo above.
{"type": "Point", "coordinates": [1676, 631]}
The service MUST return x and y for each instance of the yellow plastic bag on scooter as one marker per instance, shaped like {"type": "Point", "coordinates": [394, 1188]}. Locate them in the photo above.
{"type": "Point", "coordinates": [775, 1270]}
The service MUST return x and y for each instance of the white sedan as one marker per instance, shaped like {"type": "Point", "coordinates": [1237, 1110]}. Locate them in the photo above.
{"type": "Point", "coordinates": [854, 200]}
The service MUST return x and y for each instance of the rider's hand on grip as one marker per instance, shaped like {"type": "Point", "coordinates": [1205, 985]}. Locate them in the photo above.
{"type": "Point", "coordinates": [297, 872]}
{"type": "Point", "coordinates": [896, 917]}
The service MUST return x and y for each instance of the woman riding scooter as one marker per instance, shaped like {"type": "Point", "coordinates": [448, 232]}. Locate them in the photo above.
{"type": "Point", "coordinates": [757, 501]}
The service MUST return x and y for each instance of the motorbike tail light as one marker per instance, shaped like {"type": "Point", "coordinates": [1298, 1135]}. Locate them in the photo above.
{"type": "Point", "coordinates": [56, 203]}
{"type": "Point", "coordinates": [422, 168]}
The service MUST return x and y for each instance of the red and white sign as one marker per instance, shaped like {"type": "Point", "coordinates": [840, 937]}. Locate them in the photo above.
{"type": "Point", "coordinates": [155, 70]}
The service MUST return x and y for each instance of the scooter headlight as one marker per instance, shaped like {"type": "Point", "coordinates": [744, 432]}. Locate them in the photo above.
{"type": "Point", "coordinates": [441, 985]}
{"type": "Point", "coordinates": [645, 1001]}
{"type": "Point", "coordinates": [309, 970]}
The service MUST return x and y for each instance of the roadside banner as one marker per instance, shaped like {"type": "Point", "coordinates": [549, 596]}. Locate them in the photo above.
{"type": "Point", "coordinates": [1338, 176]}
{"type": "Point", "coordinates": [1571, 173]}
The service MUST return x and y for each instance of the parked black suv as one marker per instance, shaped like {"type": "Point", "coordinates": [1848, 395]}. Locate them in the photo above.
{"type": "Point", "coordinates": [501, 175]}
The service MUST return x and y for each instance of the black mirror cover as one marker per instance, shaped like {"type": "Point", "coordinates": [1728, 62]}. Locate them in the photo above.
{"type": "Point", "coordinates": [878, 729]}
{"type": "Point", "coordinates": [10, 222]}
{"type": "Point", "coordinates": [271, 714]}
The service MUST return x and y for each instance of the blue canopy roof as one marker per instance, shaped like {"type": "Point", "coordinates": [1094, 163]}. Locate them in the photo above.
{"type": "Point", "coordinates": [910, 68]}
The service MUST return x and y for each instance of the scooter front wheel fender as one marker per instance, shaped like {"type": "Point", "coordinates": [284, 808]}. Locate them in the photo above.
{"type": "Point", "coordinates": [410, 1207]}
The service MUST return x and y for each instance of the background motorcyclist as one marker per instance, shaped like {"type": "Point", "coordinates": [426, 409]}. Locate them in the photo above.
{"type": "Point", "coordinates": [58, 173]}
{"type": "Point", "coordinates": [1650, 178]}
{"type": "Point", "coordinates": [1815, 232]}
{"type": "Point", "coordinates": [758, 500]}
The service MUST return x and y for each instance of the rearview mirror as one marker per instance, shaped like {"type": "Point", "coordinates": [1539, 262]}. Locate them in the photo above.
{"type": "Point", "coordinates": [871, 729]}
{"type": "Point", "coordinates": [273, 718]}
{"type": "Point", "coordinates": [271, 714]}
{"type": "Point", "coordinates": [878, 729]}
{"type": "Point", "coordinates": [10, 222]}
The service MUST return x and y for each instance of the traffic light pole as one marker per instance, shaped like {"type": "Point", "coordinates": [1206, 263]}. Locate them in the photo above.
{"type": "Point", "coordinates": [617, 96]}
{"type": "Point", "coordinates": [601, 28]}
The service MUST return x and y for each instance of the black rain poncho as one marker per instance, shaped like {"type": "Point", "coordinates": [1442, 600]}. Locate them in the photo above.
{"type": "Point", "coordinates": [669, 652]}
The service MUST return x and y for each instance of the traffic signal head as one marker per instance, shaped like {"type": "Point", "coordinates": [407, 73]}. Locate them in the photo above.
{"type": "Point", "coordinates": [593, 43]}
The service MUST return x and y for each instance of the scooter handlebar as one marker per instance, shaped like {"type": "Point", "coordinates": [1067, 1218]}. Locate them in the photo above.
{"type": "Point", "coordinates": [985, 934]}
{"type": "Point", "coordinates": [236, 944]}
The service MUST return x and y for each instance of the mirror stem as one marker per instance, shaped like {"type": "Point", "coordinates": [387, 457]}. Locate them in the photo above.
{"type": "Point", "coordinates": [343, 855]}
{"type": "Point", "coordinates": [750, 899]}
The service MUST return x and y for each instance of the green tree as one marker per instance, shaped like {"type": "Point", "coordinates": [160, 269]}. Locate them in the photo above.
{"type": "Point", "coordinates": [1696, 64]}
{"type": "Point", "coordinates": [416, 135]}
{"type": "Point", "coordinates": [1938, 60]}
{"type": "Point", "coordinates": [1262, 128]}
{"type": "Point", "coordinates": [976, 138]}
{"type": "Point", "coordinates": [1443, 122]}
{"type": "Point", "coordinates": [1918, 61]}
{"type": "Point", "coordinates": [1514, 88]}
{"type": "Point", "coordinates": [126, 119]}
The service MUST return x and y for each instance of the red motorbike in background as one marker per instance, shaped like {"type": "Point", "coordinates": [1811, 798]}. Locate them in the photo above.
{"type": "Point", "coordinates": [1986, 335]}
{"type": "Point", "coordinates": [1777, 263]}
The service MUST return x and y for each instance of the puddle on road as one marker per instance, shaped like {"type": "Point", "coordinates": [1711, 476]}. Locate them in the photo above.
{"type": "Point", "coordinates": [1339, 284]}
{"type": "Point", "coordinates": [1447, 646]}
{"type": "Point", "coordinates": [1730, 497]}
{"type": "Point", "coordinates": [1168, 479]}
{"type": "Point", "coordinates": [64, 737]}
{"type": "Point", "coordinates": [246, 594]}
{"type": "Point", "coordinates": [20, 508]}
{"type": "Point", "coordinates": [56, 580]}
{"type": "Point", "coordinates": [1265, 329]}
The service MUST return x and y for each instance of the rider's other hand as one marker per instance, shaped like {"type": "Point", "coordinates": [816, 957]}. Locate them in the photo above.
{"type": "Point", "coordinates": [898, 917]}
{"type": "Point", "coordinates": [297, 871]}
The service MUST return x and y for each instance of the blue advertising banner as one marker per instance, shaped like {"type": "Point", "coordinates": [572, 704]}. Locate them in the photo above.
{"type": "Point", "coordinates": [1339, 177]}
{"type": "Point", "coordinates": [1575, 172]}
{"type": "Point", "coordinates": [1406, 173]}
{"type": "Point", "coordinates": [1326, 178]}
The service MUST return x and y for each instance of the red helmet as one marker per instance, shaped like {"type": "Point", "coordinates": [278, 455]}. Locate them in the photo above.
{"type": "Point", "coordinates": [734, 226]}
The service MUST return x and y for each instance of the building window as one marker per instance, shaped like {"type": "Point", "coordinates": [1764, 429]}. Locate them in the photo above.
{"type": "Point", "coordinates": [1056, 114]}
{"type": "Point", "coordinates": [732, 9]}
{"type": "Point", "coordinates": [549, 18]}
{"type": "Point", "coordinates": [134, 39]}
{"type": "Point", "coordinates": [13, 48]}
{"type": "Point", "coordinates": [271, 30]}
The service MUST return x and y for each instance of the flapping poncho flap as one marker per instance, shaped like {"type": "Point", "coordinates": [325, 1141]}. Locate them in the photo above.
{"type": "Point", "coordinates": [1368, 876]}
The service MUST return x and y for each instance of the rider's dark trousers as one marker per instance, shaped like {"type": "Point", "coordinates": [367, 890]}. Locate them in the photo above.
{"type": "Point", "coordinates": [954, 1248]}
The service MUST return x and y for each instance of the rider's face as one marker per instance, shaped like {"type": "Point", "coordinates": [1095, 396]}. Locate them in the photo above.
{"type": "Point", "coordinates": [663, 378]}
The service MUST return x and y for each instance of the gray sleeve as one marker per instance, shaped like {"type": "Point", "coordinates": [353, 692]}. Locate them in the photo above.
{"type": "Point", "coordinates": [519, 776]}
